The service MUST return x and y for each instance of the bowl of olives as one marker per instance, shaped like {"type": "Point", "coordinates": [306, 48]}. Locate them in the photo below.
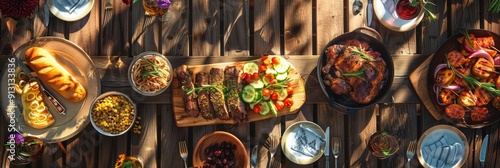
{"type": "Point", "coordinates": [220, 149]}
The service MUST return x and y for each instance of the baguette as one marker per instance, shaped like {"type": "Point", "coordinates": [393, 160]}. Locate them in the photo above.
{"type": "Point", "coordinates": [54, 75]}
{"type": "Point", "coordinates": [35, 113]}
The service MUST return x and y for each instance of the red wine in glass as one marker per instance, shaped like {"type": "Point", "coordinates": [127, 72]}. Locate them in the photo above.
{"type": "Point", "coordinates": [406, 11]}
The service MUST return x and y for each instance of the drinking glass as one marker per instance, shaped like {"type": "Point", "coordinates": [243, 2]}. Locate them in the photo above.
{"type": "Point", "coordinates": [382, 145]}
{"type": "Point", "coordinates": [30, 150]}
{"type": "Point", "coordinates": [156, 7]}
{"type": "Point", "coordinates": [129, 161]}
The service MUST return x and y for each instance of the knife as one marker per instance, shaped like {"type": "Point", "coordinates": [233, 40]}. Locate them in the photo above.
{"type": "Point", "coordinates": [369, 13]}
{"type": "Point", "coordinates": [327, 147]}
{"type": "Point", "coordinates": [484, 148]}
{"type": "Point", "coordinates": [45, 92]}
{"type": "Point", "coordinates": [46, 14]}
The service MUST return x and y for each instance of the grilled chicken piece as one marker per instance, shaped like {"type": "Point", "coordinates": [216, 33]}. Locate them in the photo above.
{"type": "Point", "coordinates": [235, 106]}
{"type": "Point", "coordinates": [205, 106]}
{"type": "Point", "coordinates": [184, 77]}
{"type": "Point", "coordinates": [216, 97]}
{"type": "Point", "coordinates": [363, 88]}
{"type": "Point", "coordinates": [338, 85]}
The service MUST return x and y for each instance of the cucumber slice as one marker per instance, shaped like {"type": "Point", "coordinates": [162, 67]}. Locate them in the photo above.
{"type": "Point", "coordinates": [282, 94]}
{"type": "Point", "coordinates": [257, 84]}
{"type": "Point", "coordinates": [282, 76]}
{"type": "Point", "coordinates": [251, 68]}
{"type": "Point", "coordinates": [264, 108]}
{"type": "Point", "coordinates": [271, 71]}
{"type": "Point", "coordinates": [266, 98]}
{"type": "Point", "coordinates": [282, 67]}
{"type": "Point", "coordinates": [248, 93]}
{"type": "Point", "coordinates": [258, 96]}
{"type": "Point", "coordinates": [273, 108]}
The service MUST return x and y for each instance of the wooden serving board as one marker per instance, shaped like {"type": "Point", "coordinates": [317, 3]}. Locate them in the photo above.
{"type": "Point", "coordinates": [182, 119]}
{"type": "Point", "coordinates": [418, 79]}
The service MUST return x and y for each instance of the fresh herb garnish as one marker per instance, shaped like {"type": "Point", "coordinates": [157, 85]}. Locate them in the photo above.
{"type": "Point", "coordinates": [128, 164]}
{"type": "Point", "coordinates": [204, 87]}
{"type": "Point", "coordinates": [156, 71]}
{"type": "Point", "coordinates": [431, 16]}
{"type": "Point", "coordinates": [356, 74]}
{"type": "Point", "coordinates": [279, 85]}
{"type": "Point", "coordinates": [472, 82]}
{"type": "Point", "coordinates": [360, 51]}
{"type": "Point", "coordinates": [467, 36]}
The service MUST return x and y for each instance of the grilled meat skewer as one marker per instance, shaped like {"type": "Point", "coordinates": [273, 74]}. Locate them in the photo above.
{"type": "Point", "coordinates": [235, 106]}
{"type": "Point", "coordinates": [205, 106]}
{"type": "Point", "coordinates": [190, 104]}
{"type": "Point", "coordinates": [216, 97]}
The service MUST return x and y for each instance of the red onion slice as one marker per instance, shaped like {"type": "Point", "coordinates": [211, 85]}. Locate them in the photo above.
{"type": "Point", "coordinates": [439, 67]}
{"type": "Point", "coordinates": [484, 54]}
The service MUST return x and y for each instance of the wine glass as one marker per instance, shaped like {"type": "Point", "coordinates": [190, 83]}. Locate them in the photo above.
{"type": "Point", "coordinates": [156, 7]}
{"type": "Point", "coordinates": [382, 145]}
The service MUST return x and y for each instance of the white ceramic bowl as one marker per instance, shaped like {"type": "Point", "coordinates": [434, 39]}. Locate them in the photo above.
{"type": "Point", "coordinates": [133, 64]}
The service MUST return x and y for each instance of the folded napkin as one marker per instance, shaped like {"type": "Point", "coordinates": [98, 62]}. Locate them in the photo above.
{"type": "Point", "coordinates": [307, 141]}
{"type": "Point", "coordinates": [443, 153]}
{"type": "Point", "coordinates": [72, 5]}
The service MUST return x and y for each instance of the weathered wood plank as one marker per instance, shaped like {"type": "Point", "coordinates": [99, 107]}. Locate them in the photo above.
{"type": "Point", "coordinates": [114, 30]}
{"type": "Point", "coordinates": [328, 16]}
{"type": "Point", "coordinates": [354, 20]}
{"type": "Point", "coordinates": [465, 14]}
{"type": "Point", "coordinates": [145, 30]}
{"type": "Point", "coordinates": [81, 149]}
{"type": "Point", "coordinates": [145, 145]}
{"type": "Point", "coordinates": [329, 117]}
{"type": "Point", "coordinates": [298, 27]}
{"type": "Point", "coordinates": [361, 125]}
{"type": "Point", "coordinates": [87, 27]}
{"type": "Point", "coordinates": [400, 121]}
{"type": "Point", "coordinates": [236, 30]}
{"type": "Point", "coordinates": [493, 146]}
{"type": "Point", "coordinates": [110, 148]}
{"type": "Point", "coordinates": [434, 33]}
{"type": "Point", "coordinates": [175, 30]}
{"type": "Point", "coordinates": [169, 137]}
{"type": "Point", "coordinates": [206, 28]}
{"type": "Point", "coordinates": [267, 28]}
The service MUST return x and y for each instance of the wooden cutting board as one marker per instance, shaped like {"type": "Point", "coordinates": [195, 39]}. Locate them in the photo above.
{"type": "Point", "coordinates": [182, 119]}
{"type": "Point", "coordinates": [418, 79]}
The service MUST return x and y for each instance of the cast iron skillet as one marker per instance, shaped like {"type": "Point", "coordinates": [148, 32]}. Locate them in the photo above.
{"type": "Point", "coordinates": [343, 101]}
{"type": "Point", "coordinates": [440, 57]}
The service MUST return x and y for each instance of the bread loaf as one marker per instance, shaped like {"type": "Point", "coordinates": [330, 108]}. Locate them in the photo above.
{"type": "Point", "coordinates": [35, 113]}
{"type": "Point", "coordinates": [52, 74]}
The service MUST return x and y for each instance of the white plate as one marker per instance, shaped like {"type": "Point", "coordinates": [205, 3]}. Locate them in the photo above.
{"type": "Point", "coordinates": [450, 146]}
{"type": "Point", "coordinates": [79, 11]}
{"type": "Point", "coordinates": [314, 133]}
{"type": "Point", "coordinates": [385, 12]}
{"type": "Point", "coordinates": [79, 64]}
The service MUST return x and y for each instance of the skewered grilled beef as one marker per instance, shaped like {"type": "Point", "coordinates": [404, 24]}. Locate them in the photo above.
{"type": "Point", "coordinates": [235, 106]}
{"type": "Point", "coordinates": [365, 86]}
{"type": "Point", "coordinates": [204, 97]}
{"type": "Point", "coordinates": [216, 96]}
{"type": "Point", "coordinates": [190, 104]}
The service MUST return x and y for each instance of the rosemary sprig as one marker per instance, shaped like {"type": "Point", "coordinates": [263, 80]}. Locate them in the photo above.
{"type": "Point", "coordinates": [467, 36]}
{"type": "Point", "coordinates": [280, 85]}
{"type": "Point", "coordinates": [472, 82]}
{"type": "Point", "coordinates": [356, 74]}
{"type": "Point", "coordinates": [431, 16]}
{"type": "Point", "coordinates": [204, 87]}
{"type": "Point", "coordinates": [360, 51]}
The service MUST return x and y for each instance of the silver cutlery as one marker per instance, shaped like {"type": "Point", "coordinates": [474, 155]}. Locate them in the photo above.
{"type": "Point", "coordinates": [484, 148]}
{"type": "Point", "coordinates": [327, 148]}
{"type": "Point", "coordinates": [272, 144]}
{"type": "Point", "coordinates": [369, 13]}
{"type": "Point", "coordinates": [410, 152]}
{"type": "Point", "coordinates": [253, 156]}
{"type": "Point", "coordinates": [357, 6]}
{"type": "Point", "coordinates": [58, 106]}
{"type": "Point", "coordinates": [336, 148]}
{"type": "Point", "coordinates": [183, 150]}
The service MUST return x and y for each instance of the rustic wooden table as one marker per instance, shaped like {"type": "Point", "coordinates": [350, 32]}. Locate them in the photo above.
{"type": "Point", "coordinates": [203, 31]}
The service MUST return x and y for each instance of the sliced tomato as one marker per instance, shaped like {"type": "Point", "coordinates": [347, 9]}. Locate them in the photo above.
{"type": "Point", "coordinates": [256, 76]}
{"type": "Point", "coordinates": [257, 108]}
{"type": "Point", "coordinates": [262, 68]}
{"type": "Point", "coordinates": [289, 90]}
{"type": "Point", "coordinates": [243, 75]}
{"type": "Point", "coordinates": [288, 102]}
{"type": "Point", "coordinates": [274, 96]}
{"type": "Point", "coordinates": [249, 78]}
{"type": "Point", "coordinates": [266, 92]}
{"type": "Point", "coordinates": [279, 105]}
{"type": "Point", "coordinates": [276, 60]}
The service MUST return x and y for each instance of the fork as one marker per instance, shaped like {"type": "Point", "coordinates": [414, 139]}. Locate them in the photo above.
{"type": "Point", "coordinates": [410, 152]}
{"type": "Point", "coordinates": [336, 148]}
{"type": "Point", "coordinates": [272, 145]}
{"type": "Point", "coordinates": [183, 150]}
{"type": "Point", "coordinates": [108, 12]}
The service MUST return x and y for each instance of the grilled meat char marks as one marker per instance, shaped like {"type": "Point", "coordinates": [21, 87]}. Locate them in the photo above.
{"type": "Point", "coordinates": [341, 60]}
{"type": "Point", "coordinates": [216, 97]}
{"type": "Point", "coordinates": [235, 106]}
{"type": "Point", "coordinates": [190, 103]}
{"type": "Point", "coordinates": [204, 97]}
